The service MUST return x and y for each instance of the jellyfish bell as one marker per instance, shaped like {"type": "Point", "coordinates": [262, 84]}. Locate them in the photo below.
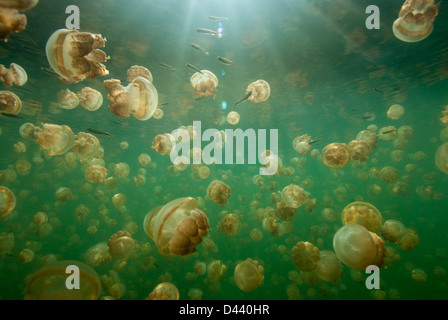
{"type": "Point", "coordinates": [67, 99]}
{"type": "Point", "coordinates": [329, 267]}
{"type": "Point", "coordinates": [248, 275]}
{"type": "Point", "coordinates": [14, 75]}
{"type": "Point", "coordinates": [85, 144]}
{"type": "Point", "coordinates": [359, 150]}
{"type": "Point", "coordinates": [395, 112]}
{"type": "Point", "coordinates": [415, 20]}
{"type": "Point", "coordinates": [90, 99]}
{"type": "Point", "coordinates": [294, 196]}
{"type": "Point", "coordinates": [21, 5]}
{"type": "Point", "coordinates": [74, 55]}
{"type": "Point", "coordinates": [121, 245]}
{"type": "Point", "coordinates": [392, 230]}
{"type": "Point", "coordinates": [177, 227]}
{"type": "Point", "coordinates": [139, 98]}
{"type": "Point", "coordinates": [139, 71]}
{"type": "Point", "coordinates": [164, 291]}
{"type": "Point", "coordinates": [335, 155]}
{"type": "Point", "coordinates": [260, 91]}
{"type": "Point", "coordinates": [204, 84]}
{"type": "Point", "coordinates": [229, 225]}
{"type": "Point", "coordinates": [362, 213]}
{"type": "Point", "coordinates": [163, 143]}
{"type": "Point", "coordinates": [219, 192]}
{"type": "Point", "coordinates": [7, 201]}
{"type": "Point", "coordinates": [10, 103]}
{"type": "Point", "coordinates": [49, 283]}
{"type": "Point", "coordinates": [441, 158]}
{"type": "Point", "coordinates": [55, 139]}
{"type": "Point", "coordinates": [305, 256]}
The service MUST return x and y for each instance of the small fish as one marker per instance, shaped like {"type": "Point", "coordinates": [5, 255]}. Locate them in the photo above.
{"type": "Point", "coordinates": [244, 99]}
{"type": "Point", "coordinates": [225, 61]}
{"type": "Point", "coordinates": [388, 131]}
{"type": "Point", "coordinates": [195, 69]}
{"type": "Point", "coordinates": [102, 133]}
{"type": "Point", "coordinates": [161, 105]}
{"type": "Point", "coordinates": [10, 115]}
{"type": "Point", "coordinates": [213, 18]}
{"type": "Point", "coordinates": [121, 124]}
{"type": "Point", "coordinates": [166, 66]}
{"type": "Point", "coordinates": [207, 31]}
{"type": "Point", "coordinates": [367, 117]}
{"type": "Point", "coordinates": [314, 141]}
{"type": "Point", "coordinates": [199, 48]}
{"type": "Point", "coordinates": [377, 90]}
{"type": "Point", "coordinates": [156, 265]}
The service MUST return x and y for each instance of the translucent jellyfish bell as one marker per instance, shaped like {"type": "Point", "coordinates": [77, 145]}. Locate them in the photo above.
{"type": "Point", "coordinates": [305, 256]}
{"type": "Point", "coordinates": [140, 98]}
{"type": "Point", "coordinates": [248, 275]}
{"type": "Point", "coordinates": [260, 91]}
{"type": "Point", "coordinates": [362, 213]}
{"type": "Point", "coordinates": [14, 75]}
{"type": "Point", "coordinates": [22, 5]}
{"type": "Point", "coordinates": [49, 283]}
{"type": "Point", "coordinates": [7, 201]}
{"type": "Point", "coordinates": [204, 84]}
{"type": "Point", "coordinates": [441, 158]}
{"type": "Point", "coordinates": [336, 155]}
{"type": "Point", "coordinates": [219, 192]}
{"type": "Point", "coordinates": [55, 139]}
{"type": "Point", "coordinates": [164, 291]}
{"type": "Point", "coordinates": [90, 99]}
{"type": "Point", "coordinates": [139, 71]}
{"type": "Point", "coordinates": [294, 196]}
{"type": "Point", "coordinates": [177, 227]}
{"type": "Point", "coordinates": [67, 99]}
{"type": "Point", "coordinates": [415, 20]}
{"type": "Point", "coordinates": [75, 55]}
{"type": "Point", "coordinates": [10, 103]}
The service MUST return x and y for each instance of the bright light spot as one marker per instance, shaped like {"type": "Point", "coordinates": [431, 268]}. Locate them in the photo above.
{"type": "Point", "coordinates": [224, 105]}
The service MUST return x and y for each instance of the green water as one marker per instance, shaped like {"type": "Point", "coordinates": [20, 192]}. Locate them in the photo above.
{"type": "Point", "coordinates": [340, 64]}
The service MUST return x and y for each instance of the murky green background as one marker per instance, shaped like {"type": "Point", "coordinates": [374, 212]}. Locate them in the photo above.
{"type": "Point", "coordinates": [340, 64]}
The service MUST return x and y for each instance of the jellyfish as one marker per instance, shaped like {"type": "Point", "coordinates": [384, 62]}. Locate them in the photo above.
{"type": "Point", "coordinates": [10, 103]}
{"type": "Point", "coordinates": [98, 254]}
{"type": "Point", "coordinates": [67, 99]}
{"type": "Point", "coordinates": [409, 240]}
{"type": "Point", "coordinates": [195, 294]}
{"type": "Point", "coordinates": [54, 138]}
{"type": "Point", "coordinates": [415, 20]}
{"type": "Point", "coordinates": [395, 112]}
{"type": "Point", "coordinates": [371, 138]}
{"type": "Point", "coordinates": [444, 118]}
{"type": "Point", "coordinates": [302, 144]}
{"type": "Point", "coordinates": [164, 291]}
{"type": "Point", "coordinates": [177, 227]}
{"type": "Point", "coordinates": [121, 245]}
{"type": "Point", "coordinates": [121, 170]}
{"type": "Point", "coordinates": [90, 99]}
{"type": "Point", "coordinates": [305, 256]}
{"type": "Point", "coordinates": [389, 174]}
{"type": "Point", "coordinates": [418, 275]}
{"type": "Point", "coordinates": [14, 75]}
{"type": "Point", "coordinates": [256, 234]}
{"type": "Point", "coordinates": [139, 71]}
{"type": "Point", "coordinates": [11, 21]}
{"type": "Point", "coordinates": [119, 200]}
{"type": "Point", "coordinates": [335, 155]}
{"type": "Point", "coordinates": [204, 84]}
{"type": "Point", "coordinates": [285, 212]}
{"type": "Point", "coordinates": [40, 218]}
{"type": "Point", "coordinates": [441, 158]}
{"type": "Point", "coordinates": [229, 225]}
{"type": "Point", "coordinates": [248, 275]}
{"type": "Point", "coordinates": [26, 255]}
{"type": "Point", "coordinates": [139, 98]}
{"type": "Point", "coordinates": [359, 150]}
{"type": "Point", "coordinates": [96, 174]}
{"type": "Point", "coordinates": [362, 213]}
{"type": "Point", "coordinates": [7, 201]}
{"type": "Point", "coordinates": [329, 267]}
{"type": "Point", "coordinates": [392, 230]}
{"type": "Point", "coordinates": [294, 196]}
{"type": "Point", "coordinates": [74, 55]}
{"type": "Point", "coordinates": [355, 246]}
{"type": "Point", "coordinates": [163, 143]}
{"type": "Point", "coordinates": [144, 159]}
{"type": "Point", "coordinates": [49, 283]}
{"type": "Point", "coordinates": [219, 192]}
{"type": "Point", "coordinates": [216, 270]}
{"type": "Point", "coordinates": [64, 194]}
{"type": "Point", "coordinates": [388, 133]}
{"type": "Point", "coordinates": [233, 117]}
{"type": "Point", "coordinates": [256, 92]}
{"type": "Point", "coordinates": [6, 242]}
{"type": "Point", "coordinates": [85, 144]}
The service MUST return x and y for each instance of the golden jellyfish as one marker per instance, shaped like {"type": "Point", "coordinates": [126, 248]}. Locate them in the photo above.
{"type": "Point", "coordinates": [85, 144]}
{"type": "Point", "coordinates": [139, 71]}
{"type": "Point", "coordinates": [294, 196]}
{"type": "Point", "coordinates": [6, 242]}
{"type": "Point", "coordinates": [441, 158]}
{"type": "Point", "coordinates": [329, 267]}
{"type": "Point", "coordinates": [218, 192]}
{"type": "Point", "coordinates": [144, 160]}
{"type": "Point", "coordinates": [74, 55]}
{"type": "Point", "coordinates": [336, 155]}
{"type": "Point", "coordinates": [388, 133]}
{"type": "Point", "coordinates": [392, 230]}
{"type": "Point", "coordinates": [356, 247]}
{"type": "Point", "coordinates": [305, 256]}
{"type": "Point", "coordinates": [418, 275]}
{"type": "Point", "coordinates": [163, 143]}
{"type": "Point", "coordinates": [26, 256]}
{"type": "Point", "coordinates": [40, 218]}
{"type": "Point", "coordinates": [121, 245]}
{"type": "Point", "coordinates": [259, 91]}
{"type": "Point", "coordinates": [415, 20]}
{"type": "Point", "coordinates": [195, 294]}
{"type": "Point", "coordinates": [124, 145]}
{"type": "Point", "coordinates": [96, 174]}
{"type": "Point", "coordinates": [409, 240]}
{"type": "Point", "coordinates": [14, 75]}
{"type": "Point", "coordinates": [395, 112]}
{"type": "Point", "coordinates": [216, 270]}
{"type": "Point", "coordinates": [329, 214]}
{"type": "Point", "coordinates": [164, 291]}
{"type": "Point", "coordinates": [233, 117]}
{"type": "Point", "coordinates": [90, 99]}
{"type": "Point", "coordinates": [204, 84]}
{"type": "Point", "coordinates": [285, 212]}
{"type": "Point", "coordinates": [229, 225]}
{"type": "Point", "coordinates": [256, 234]}
{"type": "Point", "coordinates": [177, 227]}
{"type": "Point", "coordinates": [49, 282]}
{"type": "Point", "coordinates": [64, 194]}
{"type": "Point", "coordinates": [158, 114]}
{"type": "Point", "coordinates": [364, 214]}
{"type": "Point", "coordinates": [7, 201]}
{"type": "Point", "coordinates": [139, 98]}
{"type": "Point", "coordinates": [119, 200]}
{"type": "Point", "coordinates": [121, 170]}
{"type": "Point", "coordinates": [389, 174]}
{"type": "Point", "coordinates": [10, 103]}
{"type": "Point", "coordinates": [248, 275]}
{"type": "Point", "coordinates": [200, 268]}
{"type": "Point", "coordinates": [302, 144]}
{"type": "Point", "coordinates": [370, 137]}
{"type": "Point", "coordinates": [67, 99]}
{"type": "Point", "coordinates": [359, 150]}
{"type": "Point", "coordinates": [98, 254]}
{"type": "Point", "coordinates": [54, 138]}
{"type": "Point", "coordinates": [444, 118]}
